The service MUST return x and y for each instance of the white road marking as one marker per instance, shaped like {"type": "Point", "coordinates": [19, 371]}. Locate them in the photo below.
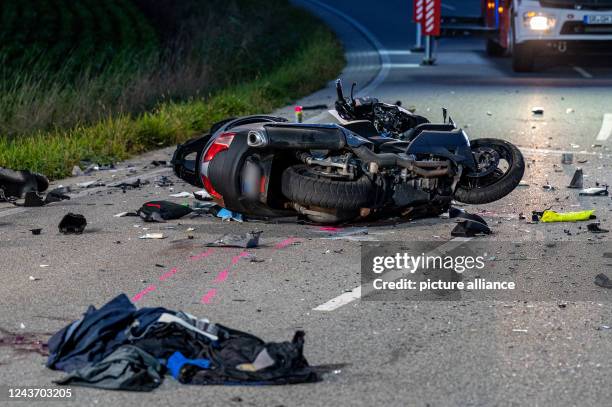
{"type": "Point", "coordinates": [355, 293]}
{"type": "Point", "coordinates": [400, 66]}
{"type": "Point", "coordinates": [606, 127]}
{"type": "Point", "coordinates": [385, 61]}
{"type": "Point", "coordinates": [559, 152]}
{"type": "Point", "coordinates": [583, 72]}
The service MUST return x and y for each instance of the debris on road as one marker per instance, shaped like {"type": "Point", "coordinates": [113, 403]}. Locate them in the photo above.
{"type": "Point", "coordinates": [202, 195]}
{"type": "Point", "coordinates": [247, 240]}
{"type": "Point", "coordinates": [121, 347]}
{"type": "Point", "coordinates": [597, 191]}
{"type": "Point", "coordinates": [567, 158]}
{"type": "Point", "coordinates": [523, 184]}
{"type": "Point", "coordinates": [577, 179]}
{"type": "Point", "coordinates": [569, 110]}
{"type": "Point", "coordinates": [228, 215]}
{"type": "Point", "coordinates": [603, 281]}
{"type": "Point", "coordinates": [130, 185]}
{"type": "Point", "coordinates": [548, 187]}
{"type": "Point", "coordinates": [57, 194]}
{"type": "Point", "coordinates": [183, 194]}
{"type": "Point", "coordinates": [537, 111]}
{"type": "Point", "coordinates": [15, 184]}
{"type": "Point", "coordinates": [36, 231]}
{"type": "Point", "coordinates": [470, 228]}
{"type": "Point", "coordinates": [72, 223]}
{"type": "Point", "coordinates": [163, 181]}
{"type": "Point", "coordinates": [153, 236]}
{"type": "Point", "coordinates": [161, 211]}
{"type": "Point", "coordinates": [32, 278]}
{"type": "Point", "coordinates": [552, 216]}
{"type": "Point", "coordinates": [594, 228]}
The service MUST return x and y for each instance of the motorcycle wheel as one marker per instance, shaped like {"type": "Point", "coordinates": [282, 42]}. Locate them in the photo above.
{"type": "Point", "coordinates": [302, 185]}
{"type": "Point", "coordinates": [491, 184]}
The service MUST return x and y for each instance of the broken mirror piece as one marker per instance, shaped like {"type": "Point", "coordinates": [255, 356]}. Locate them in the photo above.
{"type": "Point", "coordinates": [247, 240]}
{"type": "Point", "coordinates": [72, 223]}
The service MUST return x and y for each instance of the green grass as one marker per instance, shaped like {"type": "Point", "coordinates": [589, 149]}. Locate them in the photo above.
{"type": "Point", "coordinates": [106, 80]}
{"type": "Point", "coordinates": [54, 153]}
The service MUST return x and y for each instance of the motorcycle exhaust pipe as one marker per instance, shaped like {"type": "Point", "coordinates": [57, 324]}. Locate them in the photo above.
{"type": "Point", "coordinates": [257, 139]}
{"type": "Point", "coordinates": [393, 160]}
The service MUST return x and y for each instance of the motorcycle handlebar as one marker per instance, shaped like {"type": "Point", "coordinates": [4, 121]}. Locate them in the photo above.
{"type": "Point", "coordinates": [339, 90]}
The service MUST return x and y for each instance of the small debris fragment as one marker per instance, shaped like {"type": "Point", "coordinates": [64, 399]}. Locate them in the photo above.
{"type": "Point", "coordinates": [183, 194]}
{"type": "Point", "coordinates": [153, 236]}
{"type": "Point", "coordinates": [569, 110]}
{"type": "Point", "coordinates": [537, 110]}
{"type": "Point", "coordinates": [36, 231]}
{"type": "Point", "coordinates": [594, 228]}
{"type": "Point", "coordinates": [72, 223]}
{"type": "Point", "coordinates": [577, 179]}
{"type": "Point", "coordinates": [248, 240]}
{"type": "Point", "coordinates": [594, 192]}
{"type": "Point", "coordinates": [603, 281]}
{"type": "Point", "coordinates": [567, 158]}
{"type": "Point", "coordinates": [32, 278]}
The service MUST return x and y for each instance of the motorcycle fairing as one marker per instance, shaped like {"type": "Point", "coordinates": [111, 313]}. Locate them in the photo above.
{"type": "Point", "coordinates": [453, 145]}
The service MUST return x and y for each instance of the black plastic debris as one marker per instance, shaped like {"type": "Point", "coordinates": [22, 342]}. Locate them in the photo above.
{"type": "Point", "coordinates": [537, 111]}
{"type": "Point", "coordinates": [470, 228]}
{"type": "Point", "coordinates": [33, 199]}
{"type": "Point", "coordinates": [57, 194]}
{"type": "Point", "coordinates": [603, 281]}
{"type": "Point", "coordinates": [594, 228]}
{"type": "Point", "coordinates": [567, 158]}
{"type": "Point", "coordinates": [130, 185]}
{"type": "Point", "coordinates": [14, 184]}
{"type": "Point", "coordinates": [577, 179]}
{"type": "Point", "coordinates": [72, 223]}
{"type": "Point", "coordinates": [460, 213]}
{"type": "Point", "coordinates": [160, 211]}
{"type": "Point", "coordinates": [163, 181]}
{"type": "Point", "coordinates": [247, 240]}
{"type": "Point", "coordinates": [157, 163]}
{"type": "Point", "coordinates": [598, 191]}
{"type": "Point", "coordinates": [36, 231]}
{"type": "Point", "coordinates": [315, 107]}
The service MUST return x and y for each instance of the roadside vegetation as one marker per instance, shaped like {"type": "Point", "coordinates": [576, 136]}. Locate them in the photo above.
{"type": "Point", "coordinates": [101, 81]}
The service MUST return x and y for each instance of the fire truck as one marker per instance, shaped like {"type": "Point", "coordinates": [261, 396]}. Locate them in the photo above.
{"type": "Point", "coordinates": [526, 29]}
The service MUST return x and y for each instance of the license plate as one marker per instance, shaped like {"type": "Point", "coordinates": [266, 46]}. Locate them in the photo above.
{"type": "Point", "coordinates": [598, 19]}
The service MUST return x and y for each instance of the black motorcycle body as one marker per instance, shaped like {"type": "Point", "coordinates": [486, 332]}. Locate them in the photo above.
{"type": "Point", "coordinates": [381, 160]}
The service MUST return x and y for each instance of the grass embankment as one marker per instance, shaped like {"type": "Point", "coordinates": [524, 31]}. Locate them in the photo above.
{"type": "Point", "coordinates": [193, 64]}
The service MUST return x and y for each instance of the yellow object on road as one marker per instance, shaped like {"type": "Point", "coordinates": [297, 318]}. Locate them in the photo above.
{"type": "Point", "coordinates": [552, 216]}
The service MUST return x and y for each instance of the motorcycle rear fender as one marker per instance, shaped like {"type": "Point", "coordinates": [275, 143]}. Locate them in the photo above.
{"type": "Point", "coordinates": [453, 145]}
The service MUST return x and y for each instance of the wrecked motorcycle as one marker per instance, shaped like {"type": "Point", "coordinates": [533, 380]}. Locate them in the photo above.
{"type": "Point", "coordinates": [380, 160]}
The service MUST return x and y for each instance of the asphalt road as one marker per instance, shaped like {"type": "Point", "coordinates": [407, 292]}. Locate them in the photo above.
{"type": "Point", "coordinates": [548, 349]}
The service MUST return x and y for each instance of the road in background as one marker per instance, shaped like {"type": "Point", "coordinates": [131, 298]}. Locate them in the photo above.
{"type": "Point", "coordinates": [405, 353]}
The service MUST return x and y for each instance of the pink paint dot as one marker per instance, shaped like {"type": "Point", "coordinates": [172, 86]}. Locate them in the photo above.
{"type": "Point", "coordinates": [330, 229]}
{"type": "Point", "coordinates": [222, 276]}
{"type": "Point", "coordinates": [207, 298]}
{"type": "Point", "coordinates": [144, 292]}
{"type": "Point", "coordinates": [285, 243]}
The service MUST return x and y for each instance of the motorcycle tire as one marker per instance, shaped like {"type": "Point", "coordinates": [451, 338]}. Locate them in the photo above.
{"type": "Point", "coordinates": [500, 187]}
{"type": "Point", "coordinates": [302, 185]}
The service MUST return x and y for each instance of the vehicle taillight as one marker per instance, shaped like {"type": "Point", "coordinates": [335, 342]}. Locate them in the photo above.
{"type": "Point", "coordinates": [221, 143]}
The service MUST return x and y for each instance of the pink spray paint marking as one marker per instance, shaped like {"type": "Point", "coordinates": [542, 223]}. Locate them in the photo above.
{"type": "Point", "coordinates": [167, 275]}
{"type": "Point", "coordinates": [236, 259]}
{"type": "Point", "coordinates": [329, 229]}
{"type": "Point", "coordinates": [285, 243]}
{"type": "Point", "coordinates": [207, 298]}
{"type": "Point", "coordinates": [202, 255]}
{"type": "Point", "coordinates": [144, 292]}
{"type": "Point", "coordinates": [222, 276]}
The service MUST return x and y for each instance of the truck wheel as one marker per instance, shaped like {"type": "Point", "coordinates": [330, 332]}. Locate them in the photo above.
{"type": "Point", "coordinates": [494, 49]}
{"type": "Point", "coordinates": [523, 58]}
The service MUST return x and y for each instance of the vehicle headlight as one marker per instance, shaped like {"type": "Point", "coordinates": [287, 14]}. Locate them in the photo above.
{"type": "Point", "coordinates": [538, 21]}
